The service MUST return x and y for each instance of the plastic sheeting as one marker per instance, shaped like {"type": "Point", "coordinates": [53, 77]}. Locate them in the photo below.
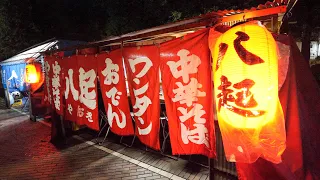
{"type": "Point", "coordinates": [13, 77]}
{"type": "Point", "coordinates": [245, 66]}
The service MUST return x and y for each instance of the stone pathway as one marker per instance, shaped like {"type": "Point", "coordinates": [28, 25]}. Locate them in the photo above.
{"type": "Point", "coordinates": [26, 153]}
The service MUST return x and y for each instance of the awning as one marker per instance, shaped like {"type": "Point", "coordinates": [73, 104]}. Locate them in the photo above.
{"type": "Point", "coordinates": [33, 52]}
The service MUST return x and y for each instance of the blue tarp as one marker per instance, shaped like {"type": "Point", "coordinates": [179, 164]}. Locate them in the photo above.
{"type": "Point", "coordinates": [13, 77]}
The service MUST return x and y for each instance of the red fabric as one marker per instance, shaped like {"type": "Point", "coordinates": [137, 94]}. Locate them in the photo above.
{"type": "Point", "coordinates": [81, 103]}
{"type": "Point", "coordinates": [70, 102]}
{"type": "Point", "coordinates": [88, 97]}
{"type": "Point", "coordinates": [300, 100]}
{"type": "Point", "coordinates": [47, 83]}
{"type": "Point", "coordinates": [142, 65]}
{"type": "Point", "coordinates": [114, 92]}
{"type": "Point", "coordinates": [53, 83]}
{"type": "Point", "coordinates": [187, 87]}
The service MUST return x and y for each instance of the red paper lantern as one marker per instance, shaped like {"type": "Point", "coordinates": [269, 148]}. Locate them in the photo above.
{"type": "Point", "coordinates": [246, 92]}
{"type": "Point", "coordinates": [32, 76]}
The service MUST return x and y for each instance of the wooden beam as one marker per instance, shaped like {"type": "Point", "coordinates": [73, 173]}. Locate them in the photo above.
{"type": "Point", "coordinates": [254, 14]}
{"type": "Point", "coordinates": [206, 20]}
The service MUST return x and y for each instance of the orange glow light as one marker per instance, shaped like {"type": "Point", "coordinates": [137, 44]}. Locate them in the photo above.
{"type": "Point", "coordinates": [31, 74]}
{"type": "Point", "coordinates": [245, 70]}
{"type": "Point", "coordinates": [262, 77]}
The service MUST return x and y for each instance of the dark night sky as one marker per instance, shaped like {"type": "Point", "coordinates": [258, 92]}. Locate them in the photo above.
{"type": "Point", "coordinates": [27, 22]}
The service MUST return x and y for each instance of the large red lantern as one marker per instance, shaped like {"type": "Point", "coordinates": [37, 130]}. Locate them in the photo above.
{"type": "Point", "coordinates": [245, 72]}
{"type": "Point", "coordinates": [32, 76]}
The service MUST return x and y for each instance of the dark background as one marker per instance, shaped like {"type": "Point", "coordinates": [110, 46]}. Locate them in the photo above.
{"type": "Point", "coordinates": [24, 23]}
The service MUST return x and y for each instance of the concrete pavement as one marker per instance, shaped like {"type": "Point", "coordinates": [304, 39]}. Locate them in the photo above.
{"type": "Point", "coordinates": [26, 153]}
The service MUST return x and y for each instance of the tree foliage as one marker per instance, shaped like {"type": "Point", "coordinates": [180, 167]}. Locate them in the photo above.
{"type": "Point", "coordinates": [26, 22]}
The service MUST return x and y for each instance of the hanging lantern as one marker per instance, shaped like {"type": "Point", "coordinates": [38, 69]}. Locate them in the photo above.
{"type": "Point", "coordinates": [32, 76]}
{"type": "Point", "coordinates": [245, 72]}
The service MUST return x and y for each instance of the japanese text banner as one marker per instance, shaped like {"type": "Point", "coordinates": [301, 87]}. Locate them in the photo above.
{"type": "Point", "coordinates": [114, 92]}
{"type": "Point", "coordinates": [53, 83]}
{"type": "Point", "coordinates": [81, 90]}
{"type": "Point", "coordinates": [48, 76]}
{"type": "Point", "coordinates": [70, 88]}
{"type": "Point", "coordinates": [143, 76]}
{"type": "Point", "coordinates": [185, 71]}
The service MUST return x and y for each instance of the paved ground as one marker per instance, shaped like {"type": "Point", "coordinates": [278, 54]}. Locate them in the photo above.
{"type": "Point", "coordinates": [26, 153]}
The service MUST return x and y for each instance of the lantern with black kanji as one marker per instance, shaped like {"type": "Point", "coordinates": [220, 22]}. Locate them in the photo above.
{"type": "Point", "coordinates": [245, 68]}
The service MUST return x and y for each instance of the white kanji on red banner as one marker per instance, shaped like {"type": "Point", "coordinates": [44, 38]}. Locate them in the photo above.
{"type": "Point", "coordinates": [110, 72]}
{"type": "Point", "coordinates": [188, 93]}
{"type": "Point", "coordinates": [112, 77]}
{"type": "Point", "coordinates": [145, 69]}
{"type": "Point", "coordinates": [113, 115]}
{"type": "Point", "coordinates": [142, 102]}
{"type": "Point", "coordinates": [56, 84]}
{"type": "Point", "coordinates": [188, 64]}
{"type": "Point", "coordinates": [47, 71]}
{"type": "Point", "coordinates": [70, 86]}
{"type": "Point", "coordinates": [86, 97]}
{"type": "Point", "coordinates": [86, 81]}
{"type": "Point", "coordinates": [114, 95]}
{"type": "Point", "coordinates": [80, 111]}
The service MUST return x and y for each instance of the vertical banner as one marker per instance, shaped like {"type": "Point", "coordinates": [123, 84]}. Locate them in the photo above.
{"type": "Point", "coordinates": [88, 108]}
{"type": "Point", "coordinates": [13, 76]}
{"type": "Point", "coordinates": [114, 92]}
{"type": "Point", "coordinates": [56, 77]}
{"type": "Point", "coordinates": [187, 87]}
{"type": "Point", "coordinates": [80, 90]}
{"type": "Point", "coordinates": [142, 64]}
{"type": "Point", "coordinates": [48, 75]}
{"type": "Point", "coordinates": [70, 88]}
{"type": "Point", "coordinates": [53, 82]}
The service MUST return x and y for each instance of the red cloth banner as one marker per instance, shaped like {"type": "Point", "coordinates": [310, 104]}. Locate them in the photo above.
{"type": "Point", "coordinates": [48, 75]}
{"type": "Point", "coordinates": [70, 88]}
{"type": "Point", "coordinates": [142, 64]}
{"type": "Point", "coordinates": [53, 83]}
{"type": "Point", "coordinates": [80, 90]}
{"type": "Point", "coordinates": [187, 87]}
{"type": "Point", "coordinates": [114, 92]}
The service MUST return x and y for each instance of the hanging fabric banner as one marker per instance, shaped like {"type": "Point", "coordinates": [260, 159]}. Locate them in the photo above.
{"type": "Point", "coordinates": [48, 75]}
{"type": "Point", "coordinates": [70, 88]}
{"type": "Point", "coordinates": [14, 77]}
{"type": "Point", "coordinates": [53, 82]}
{"type": "Point", "coordinates": [80, 90]}
{"type": "Point", "coordinates": [56, 85]}
{"type": "Point", "coordinates": [142, 64]}
{"type": "Point", "coordinates": [114, 92]}
{"type": "Point", "coordinates": [185, 71]}
{"type": "Point", "coordinates": [88, 110]}
{"type": "Point", "coordinates": [245, 67]}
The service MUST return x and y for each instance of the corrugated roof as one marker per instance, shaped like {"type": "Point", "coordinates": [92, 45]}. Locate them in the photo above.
{"type": "Point", "coordinates": [276, 3]}
{"type": "Point", "coordinates": [194, 23]}
{"type": "Point", "coordinates": [34, 52]}
{"type": "Point", "coordinates": [269, 8]}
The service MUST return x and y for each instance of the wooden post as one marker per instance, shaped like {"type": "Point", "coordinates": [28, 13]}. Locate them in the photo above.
{"type": "Point", "coordinates": [32, 117]}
